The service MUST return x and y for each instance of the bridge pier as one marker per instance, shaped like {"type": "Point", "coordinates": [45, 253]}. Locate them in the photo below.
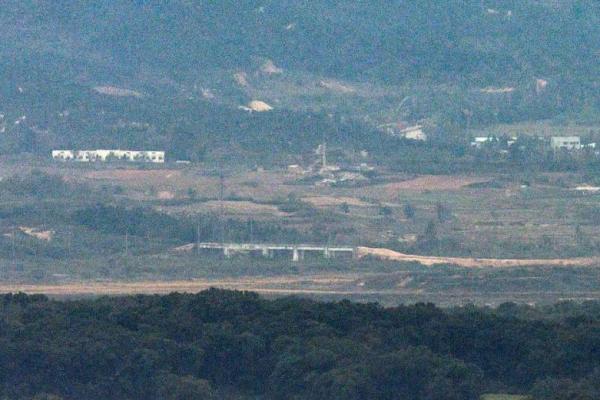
{"type": "Point", "coordinates": [297, 254]}
{"type": "Point", "coordinates": [266, 252]}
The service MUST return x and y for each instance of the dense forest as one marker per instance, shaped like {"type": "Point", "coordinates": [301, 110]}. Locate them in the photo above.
{"type": "Point", "coordinates": [221, 344]}
{"type": "Point", "coordinates": [487, 41]}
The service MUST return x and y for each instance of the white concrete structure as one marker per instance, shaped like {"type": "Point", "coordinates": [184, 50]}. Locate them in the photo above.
{"type": "Point", "coordinates": [109, 155]}
{"type": "Point", "coordinates": [414, 133]}
{"type": "Point", "coordinates": [481, 141]}
{"type": "Point", "coordinates": [63, 155]}
{"type": "Point", "coordinates": [399, 129]}
{"type": "Point", "coordinates": [565, 142]}
{"type": "Point", "coordinates": [297, 252]}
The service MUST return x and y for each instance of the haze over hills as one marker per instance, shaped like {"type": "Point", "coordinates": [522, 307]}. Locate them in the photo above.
{"type": "Point", "coordinates": [177, 71]}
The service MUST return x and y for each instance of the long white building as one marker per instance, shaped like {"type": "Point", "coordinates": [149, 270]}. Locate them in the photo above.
{"type": "Point", "coordinates": [109, 155]}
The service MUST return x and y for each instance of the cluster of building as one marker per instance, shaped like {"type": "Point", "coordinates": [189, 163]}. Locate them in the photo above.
{"type": "Point", "coordinates": [109, 155]}
{"type": "Point", "coordinates": [569, 143]}
{"type": "Point", "coordinates": [556, 143]}
{"type": "Point", "coordinates": [326, 174]}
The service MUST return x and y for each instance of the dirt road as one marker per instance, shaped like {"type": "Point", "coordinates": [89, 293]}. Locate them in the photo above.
{"type": "Point", "coordinates": [325, 284]}
{"type": "Point", "coordinates": [387, 254]}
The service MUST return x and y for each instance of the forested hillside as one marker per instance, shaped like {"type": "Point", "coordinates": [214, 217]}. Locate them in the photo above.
{"type": "Point", "coordinates": [487, 41]}
{"type": "Point", "coordinates": [233, 345]}
{"type": "Point", "coordinates": [184, 68]}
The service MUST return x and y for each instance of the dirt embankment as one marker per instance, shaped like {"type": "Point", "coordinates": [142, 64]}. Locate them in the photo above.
{"type": "Point", "coordinates": [467, 262]}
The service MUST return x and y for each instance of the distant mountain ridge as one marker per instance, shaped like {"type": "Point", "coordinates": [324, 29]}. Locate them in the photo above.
{"type": "Point", "coordinates": [386, 40]}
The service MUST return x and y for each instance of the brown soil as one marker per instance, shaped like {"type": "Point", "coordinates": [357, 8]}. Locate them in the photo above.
{"type": "Point", "coordinates": [325, 284]}
{"type": "Point", "coordinates": [133, 174]}
{"type": "Point", "coordinates": [330, 201]}
{"type": "Point", "coordinates": [391, 255]}
{"type": "Point", "coordinates": [36, 233]}
{"type": "Point", "coordinates": [433, 183]}
{"type": "Point", "coordinates": [242, 207]}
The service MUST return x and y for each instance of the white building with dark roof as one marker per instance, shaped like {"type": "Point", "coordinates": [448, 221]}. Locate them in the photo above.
{"type": "Point", "coordinates": [109, 155]}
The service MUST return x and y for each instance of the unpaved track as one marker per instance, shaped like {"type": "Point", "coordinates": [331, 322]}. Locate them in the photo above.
{"type": "Point", "coordinates": [318, 284]}
{"type": "Point", "coordinates": [387, 254]}
{"type": "Point", "coordinates": [329, 284]}
{"type": "Point", "coordinates": [337, 286]}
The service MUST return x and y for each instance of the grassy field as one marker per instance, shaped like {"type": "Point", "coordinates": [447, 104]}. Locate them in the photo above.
{"type": "Point", "coordinates": [488, 216]}
{"type": "Point", "coordinates": [478, 216]}
{"type": "Point", "coordinates": [525, 214]}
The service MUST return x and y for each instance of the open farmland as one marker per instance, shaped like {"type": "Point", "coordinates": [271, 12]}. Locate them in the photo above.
{"type": "Point", "coordinates": [389, 283]}
{"type": "Point", "coordinates": [116, 225]}
{"type": "Point", "coordinates": [489, 216]}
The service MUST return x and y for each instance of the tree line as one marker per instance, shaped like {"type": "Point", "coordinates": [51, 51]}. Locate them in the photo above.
{"type": "Point", "coordinates": [224, 344]}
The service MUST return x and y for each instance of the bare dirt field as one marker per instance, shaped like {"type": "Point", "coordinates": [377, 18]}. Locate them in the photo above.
{"type": "Point", "coordinates": [433, 183]}
{"type": "Point", "coordinates": [327, 284]}
{"type": "Point", "coordinates": [387, 254]}
{"type": "Point", "coordinates": [385, 288]}
{"type": "Point", "coordinates": [232, 208]}
{"type": "Point", "coordinates": [332, 201]}
{"type": "Point", "coordinates": [134, 174]}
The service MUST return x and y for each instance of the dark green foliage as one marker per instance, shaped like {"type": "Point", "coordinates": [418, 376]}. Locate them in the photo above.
{"type": "Point", "coordinates": [409, 211]}
{"type": "Point", "coordinates": [391, 41]}
{"type": "Point", "coordinates": [385, 211]}
{"type": "Point", "coordinates": [430, 235]}
{"type": "Point", "coordinates": [145, 222]}
{"type": "Point", "coordinates": [175, 387]}
{"type": "Point", "coordinates": [442, 212]}
{"type": "Point", "coordinates": [345, 208]}
{"type": "Point", "coordinates": [196, 346]}
{"type": "Point", "coordinates": [38, 184]}
{"type": "Point", "coordinates": [587, 388]}
{"type": "Point", "coordinates": [136, 221]}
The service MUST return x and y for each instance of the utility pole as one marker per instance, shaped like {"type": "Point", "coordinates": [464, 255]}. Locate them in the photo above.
{"type": "Point", "coordinates": [126, 243]}
{"type": "Point", "coordinates": [324, 151]}
{"type": "Point", "coordinates": [198, 237]}
{"type": "Point", "coordinates": [221, 206]}
{"type": "Point", "coordinates": [14, 249]}
{"type": "Point", "coordinates": [69, 239]}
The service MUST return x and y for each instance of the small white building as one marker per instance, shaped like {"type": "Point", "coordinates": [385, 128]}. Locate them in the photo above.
{"type": "Point", "coordinates": [109, 155]}
{"type": "Point", "coordinates": [480, 141]}
{"type": "Point", "coordinates": [565, 142]}
{"type": "Point", "coordinates": [63, 155]}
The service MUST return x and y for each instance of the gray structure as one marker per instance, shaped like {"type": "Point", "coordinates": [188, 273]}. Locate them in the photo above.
{"type": "Point", "coordinates": [565, 142]}
{"type": "Point", "coordinates": [297, 252]}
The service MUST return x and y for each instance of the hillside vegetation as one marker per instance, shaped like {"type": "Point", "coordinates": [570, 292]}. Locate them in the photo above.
{"type": "Point", "coordinates": [177, 71]}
